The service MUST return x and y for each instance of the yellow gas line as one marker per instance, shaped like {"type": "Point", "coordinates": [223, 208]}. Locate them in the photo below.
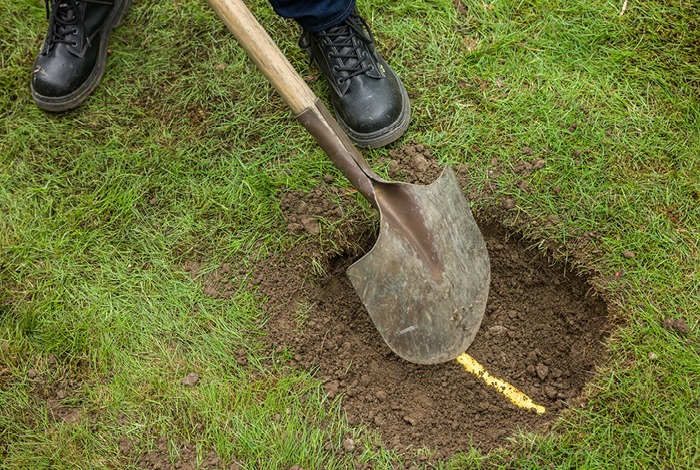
{"type": "Point", "coordinates": [515, 396]}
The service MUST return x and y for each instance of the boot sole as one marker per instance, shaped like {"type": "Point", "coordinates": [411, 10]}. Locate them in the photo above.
{"type": "Point", "coordinates": [384, 136]}
{"type": "Point", "coordinates": [76, 98]}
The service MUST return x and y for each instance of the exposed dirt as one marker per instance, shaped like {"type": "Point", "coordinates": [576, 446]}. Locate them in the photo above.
{"type": "Point", "coordinates": [61, 388]}
{"type": "Point", "coordinates": [160, 458]}
{"type": "Point", "coordinates": [543, 331]}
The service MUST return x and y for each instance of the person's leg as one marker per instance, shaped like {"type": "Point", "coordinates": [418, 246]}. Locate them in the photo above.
{"type": "Point", "coordinates": [73, 57]}
{"type": "Point", "coordinates": [314, 16]}
{"type": "Point", "coordinates": [369, 100]}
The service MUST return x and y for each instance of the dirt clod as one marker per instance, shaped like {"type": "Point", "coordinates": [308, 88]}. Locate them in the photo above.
{"type": "Point", "coordinates": [394, 169]}
{"type": "Point", "coordinates": [125, 446]}
{"type": "Point", "coordinates": [420, 163]}
{"type": "Point", "coordinates": [681, 326]}
{"type": "Point", "coordinates": [311, 225]}
{"type": "Point", "coordinates": [667, 324]}
{"type": "Point", "coordinates": [552, 220]}
{"type": "Point", "coordinates": [295, 228]}
{"type": "Point", "coordinates": [349, 445]}
{"type": "Point", "coordinates": [190, 379]}
{"type": "Point", "coordinates": [628, 254]}
{"type": "Point", "coordinates": [332, 388]}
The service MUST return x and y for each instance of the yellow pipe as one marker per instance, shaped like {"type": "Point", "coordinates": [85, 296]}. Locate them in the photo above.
{"type": "Point", "coordinates": [515, 396]}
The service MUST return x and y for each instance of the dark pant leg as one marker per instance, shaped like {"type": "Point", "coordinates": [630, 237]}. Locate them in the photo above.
{"type": "Point", "coordinates": [313, 15]}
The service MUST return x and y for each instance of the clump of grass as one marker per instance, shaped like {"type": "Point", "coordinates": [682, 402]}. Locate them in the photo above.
{"type": "Point", "coordinates": [302, 314]}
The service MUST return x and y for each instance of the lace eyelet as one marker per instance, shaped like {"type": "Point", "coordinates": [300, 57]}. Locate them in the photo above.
{"type": "Point", "coordinates": [74, 44]}
{"type": "Point", "coordinates": [340, 81]}
{"type": "Point", "coordinates": [75, 30]}
{"type": "Point", "coordinates": [371, 67]}
{"type": "Point", "coordinates": [364, 55]}
{"type": "Point", "coordinates": [335, 68]}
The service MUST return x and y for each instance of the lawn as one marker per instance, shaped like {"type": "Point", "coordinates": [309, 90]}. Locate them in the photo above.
{"type": "Point", "coordinates": [184, 155]}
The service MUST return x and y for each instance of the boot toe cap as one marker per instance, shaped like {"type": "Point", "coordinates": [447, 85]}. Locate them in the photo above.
{"type": "Point", "coordinates": [60, 73]}
{"type": "Point", "coordinates": [56, 81]}
{"type": "Point", "coordinates": [370, 107]}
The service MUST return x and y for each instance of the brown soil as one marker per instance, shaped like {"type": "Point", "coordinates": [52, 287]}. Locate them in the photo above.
{"type": "Point", "coordinates": [160, 459]}
{"type": "Point", "coordinates": [543, 332]}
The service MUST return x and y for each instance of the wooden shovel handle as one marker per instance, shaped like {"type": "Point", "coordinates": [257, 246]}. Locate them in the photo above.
{"type": "Point", "coordinates": [263, 51]}
{"type": "Point", "coordinates": [309, 110]}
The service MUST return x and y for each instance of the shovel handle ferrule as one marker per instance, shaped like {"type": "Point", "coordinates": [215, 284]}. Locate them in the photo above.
{"type": "Point", "coordinates": [331, 138]}
{"type": "Point", "coordinates": [309, 110]}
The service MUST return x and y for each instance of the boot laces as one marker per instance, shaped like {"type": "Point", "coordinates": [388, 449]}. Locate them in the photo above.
{"type": "Point", "coordinates": [344, 37]}
{"type": "Point", "coordinates": [64, 16]}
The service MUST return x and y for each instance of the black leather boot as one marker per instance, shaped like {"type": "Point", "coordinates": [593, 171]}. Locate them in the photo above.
{"type": "Point", "coordinates": [73, 58]}
{"type": "Point", "coordinates": [369, 100]}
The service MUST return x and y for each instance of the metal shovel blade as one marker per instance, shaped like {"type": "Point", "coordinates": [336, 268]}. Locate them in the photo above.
{"type": "Point", "coordinates": [425, 282]}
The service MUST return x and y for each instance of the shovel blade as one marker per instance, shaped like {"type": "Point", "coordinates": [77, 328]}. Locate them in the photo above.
{"type": "Point", "coordinates": [425, 282]}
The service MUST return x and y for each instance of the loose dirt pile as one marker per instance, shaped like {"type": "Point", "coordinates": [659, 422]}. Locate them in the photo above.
{"type": "Point", "coordinates": [543, 331]}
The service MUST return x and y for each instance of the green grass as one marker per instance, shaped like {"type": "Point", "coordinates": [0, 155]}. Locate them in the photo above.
{"type": "Point", "coordinates": [173, 160]}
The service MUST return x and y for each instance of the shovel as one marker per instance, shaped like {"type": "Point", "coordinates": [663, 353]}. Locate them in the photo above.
{"type": "Point", "coordinates": [426, 280]}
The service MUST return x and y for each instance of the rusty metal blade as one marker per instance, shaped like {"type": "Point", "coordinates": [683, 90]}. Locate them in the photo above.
{"type": "Point", "coordinates": [425, 282]}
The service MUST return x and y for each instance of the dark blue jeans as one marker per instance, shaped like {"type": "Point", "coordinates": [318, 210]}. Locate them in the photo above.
{"type": "Point", "coordinates": [313, 15]}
